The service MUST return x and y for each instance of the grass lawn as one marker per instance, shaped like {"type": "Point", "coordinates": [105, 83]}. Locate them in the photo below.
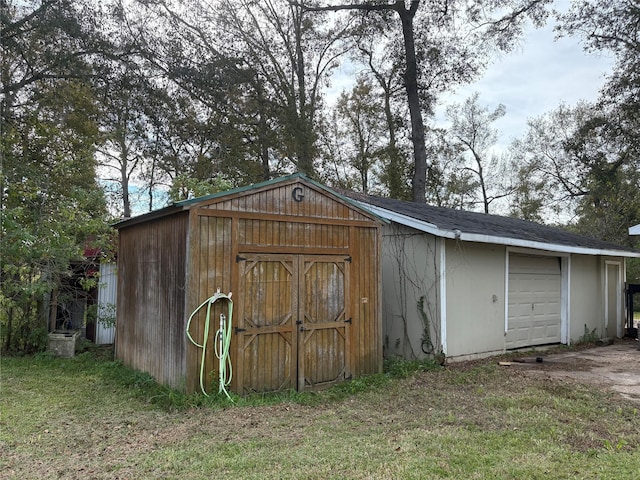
{"type": "Point", "coordinates": [89, 417]}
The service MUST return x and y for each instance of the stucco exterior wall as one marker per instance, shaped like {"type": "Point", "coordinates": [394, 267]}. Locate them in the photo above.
{"type": "Point", "coordinates": [586, 295]}
{"type": "Point", "coordinates": [475, 286]}
{"type": "Point", "coordinates": [589, 289]}
{"type": "Point", "coordinates": [474, 309]}
{"type": "Point", "coordinates": [409, 260]}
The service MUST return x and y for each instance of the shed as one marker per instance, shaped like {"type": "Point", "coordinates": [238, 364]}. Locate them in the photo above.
{"type": "Point", "coordinates": [102, 330]}
{"type": "Point", "coordinates": [302, 263]}
{"type": "Point", "coordinates": [469, 284]}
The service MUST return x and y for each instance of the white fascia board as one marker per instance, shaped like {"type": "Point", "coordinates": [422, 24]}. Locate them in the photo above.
{"type": "Point", "coordinates": [634, 230]}
{"type": "Point", "coordinates": [481, 238]}
{"type": "Point", "coordinates": [407, 220]}
{"type": "Point", "coordinates": [551, 247]}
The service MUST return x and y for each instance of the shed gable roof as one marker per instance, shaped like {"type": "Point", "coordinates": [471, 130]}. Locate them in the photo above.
{"type": "Point", "coordinates": [486, 228]}
{"type": "Point", "coordinates": [634, 230]}
{"type": "Point", "coordinates": [273, 196]}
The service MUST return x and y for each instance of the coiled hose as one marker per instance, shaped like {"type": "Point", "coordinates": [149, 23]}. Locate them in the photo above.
{"type": "Point", "coordinates": [221, 348]}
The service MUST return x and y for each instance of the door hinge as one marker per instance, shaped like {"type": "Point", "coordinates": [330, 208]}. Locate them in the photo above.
{"type": "Point", "coordinates": [348, 259]}
{"type": "Point", "coordinates": [239, 259]}
{"type": "Point", "coordinates": [238, 330]}
{"type": "Point", "coordinates": [348, 320]}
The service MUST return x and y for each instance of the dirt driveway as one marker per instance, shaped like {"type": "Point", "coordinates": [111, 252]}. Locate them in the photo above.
{"type": "Point", "coordinates": [614, 366]}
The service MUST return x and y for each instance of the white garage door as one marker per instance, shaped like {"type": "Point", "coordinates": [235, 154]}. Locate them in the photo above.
{"type": "Point", "coordinates": [534, 301]}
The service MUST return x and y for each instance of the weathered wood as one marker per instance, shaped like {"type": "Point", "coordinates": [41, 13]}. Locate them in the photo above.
{"type": "Point", "coordinates": [151, 286]}
{"type": "Point", "coordinates": [266, 324]}
{"type": "Point", "coordinates": [312, 259]}
{"type": "Point", "coordinates": [324, 325]}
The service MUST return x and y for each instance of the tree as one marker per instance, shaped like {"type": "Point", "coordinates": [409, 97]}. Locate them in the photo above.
{"type": "Point", "coordinates": [472, 131]}
{"type": "Point", "coordinates": [202, 123]}
{"type": "Point", "coordinates": [577, 165]}
{"type": "Point", "coordinates": [551, 180]}
{"type": "Point", "coordinates": [581, 164]}
{"type": "Point", "coordinates": [359, 129]}
{"type": "Point", "coordinates": [385, 66]}
{"type": "Point", "coordinates": [51, 204]}
{"type": "Point", "coordinates": [489, 32]}
{"type": "Point", "coordinates": [44, 40]}
{"type": "Point", "coordinates": [125, 130]}
{"type": "Point", "coordinates": [449, 183]}
{"type": "Point", "coordinates": [292, 58]}
{"type": "Point", "coordinates": [611, 167]}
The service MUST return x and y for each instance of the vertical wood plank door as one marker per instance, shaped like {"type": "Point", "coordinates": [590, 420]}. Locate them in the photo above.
{"type": "Point", "coordinates": [324, 329]}
{"type": "Point", "coordinates": [292, 322]}
{"type": "Point", "coordinates": [266, 330]}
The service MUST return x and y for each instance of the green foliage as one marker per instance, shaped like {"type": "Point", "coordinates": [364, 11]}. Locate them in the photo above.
{"type": "Point", "coordinates": [357, 149]}
{"type": "Point", "coordinates": [185, 187]}
{"type": "Point", "coordinates": [584, 161]}
{"type": "Point", "coordinates": [618, 446]}
{"type": "Point", "coordinates": [51, 204]}
{"type": "Point", "coordinates": [588, 337]}
{"type": "Point", "coordinates": [397, 367]}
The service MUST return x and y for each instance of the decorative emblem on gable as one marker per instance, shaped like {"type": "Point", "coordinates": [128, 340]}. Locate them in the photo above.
{"type": "Point", "coordinates": [297, 194]}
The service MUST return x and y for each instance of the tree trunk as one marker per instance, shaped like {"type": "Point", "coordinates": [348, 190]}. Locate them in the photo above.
{"type": "Point", "coordinates": [411, 83]}
{"type": "Point", "coordinates": [53, 310]}
{"type": "Point", "coordinates": [394, 170]}
{"type": "Point", "coordinates": [263, 132]}
{"type": "Point", "coordinates": [124, 178]}
{"type": "Point", "coordinates": [411, 86]}
{"type": "Point", "coordinates": [304, 128]}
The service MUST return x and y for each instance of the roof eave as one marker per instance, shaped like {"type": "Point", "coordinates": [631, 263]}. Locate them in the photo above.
{"type": "Point", "coordinates": [190, 203]}
{"type": "Point", "coordinates": [153, 215]}
{"type": "Point", "coordinates": [480, 238]}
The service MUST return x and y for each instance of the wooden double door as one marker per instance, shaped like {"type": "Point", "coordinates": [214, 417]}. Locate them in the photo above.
{"type": "Point", "coordinates": [292, 322]}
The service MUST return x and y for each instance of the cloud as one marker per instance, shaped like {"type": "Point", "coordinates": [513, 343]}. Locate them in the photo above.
{"type": "Point", "coordinates": [536, 78]}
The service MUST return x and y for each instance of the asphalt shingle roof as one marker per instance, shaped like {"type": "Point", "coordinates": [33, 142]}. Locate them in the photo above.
{"type": "Point", "coordinates": [450, 220]}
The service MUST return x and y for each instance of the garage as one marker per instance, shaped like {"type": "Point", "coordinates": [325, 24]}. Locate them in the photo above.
{"type": "Point", "coordinates": [534, 301]}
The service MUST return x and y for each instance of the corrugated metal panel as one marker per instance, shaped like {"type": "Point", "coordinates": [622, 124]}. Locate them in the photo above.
{"type": "Point", "coordinates": [151, 293]}
{"type": "Point", "coordinates": [107, 288]}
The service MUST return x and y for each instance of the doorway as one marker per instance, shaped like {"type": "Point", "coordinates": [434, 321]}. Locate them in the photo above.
{"type": "Point", "coordinates": [293, 328]}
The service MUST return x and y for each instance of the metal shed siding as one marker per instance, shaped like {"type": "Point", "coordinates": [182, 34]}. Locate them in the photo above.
{"type": "Point", "coordinates": [107, 294]}
{"type": "Point", "coordinates": [151, 285]}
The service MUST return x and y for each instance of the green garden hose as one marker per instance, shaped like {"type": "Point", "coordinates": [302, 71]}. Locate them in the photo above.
{"type": "Point", "coordinates": [222, 347]}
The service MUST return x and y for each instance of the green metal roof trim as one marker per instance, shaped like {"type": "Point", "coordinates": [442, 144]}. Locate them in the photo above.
{"type": "Point", "coordinates": [247, 188]}
{"type": "Point", "coordinates": [183, 204]}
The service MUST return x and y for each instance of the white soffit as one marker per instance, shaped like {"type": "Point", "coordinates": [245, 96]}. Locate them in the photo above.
{"type": "Point", "coordinates": [483, 238]}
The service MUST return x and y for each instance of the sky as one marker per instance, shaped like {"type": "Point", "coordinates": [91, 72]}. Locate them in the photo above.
{"type": "Point", "coordinates": [535, 79]}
